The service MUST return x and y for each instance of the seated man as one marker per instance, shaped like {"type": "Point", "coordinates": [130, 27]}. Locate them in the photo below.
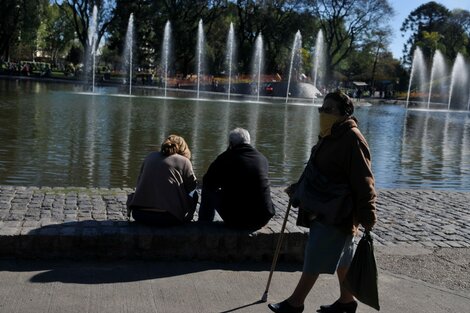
{"type": "Point", "coordinates": [237, 186]}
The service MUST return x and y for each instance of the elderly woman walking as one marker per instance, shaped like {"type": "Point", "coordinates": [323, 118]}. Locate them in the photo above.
{"type": "Point", "coordinates": [335, 194]}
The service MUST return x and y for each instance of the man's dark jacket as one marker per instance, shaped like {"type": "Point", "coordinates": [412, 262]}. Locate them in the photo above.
{"type": "Point", "coordinates": [240, 175]}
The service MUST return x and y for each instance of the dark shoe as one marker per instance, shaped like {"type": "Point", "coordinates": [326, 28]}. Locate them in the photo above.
{"type": "Point", "coordinates": [339, 307]}
{"type": "Point", "coordinates": [285, 307]}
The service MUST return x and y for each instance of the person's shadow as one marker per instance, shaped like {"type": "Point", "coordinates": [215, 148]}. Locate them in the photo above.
{"type": "Point", "coordinates": [96, 252]}
{"type": "Point", "coordinates": [243, 306]}
{"type": "Point", "coordinates": [77, 241]}
{"type": "Point", "coordinates": [101, 272]}
{"type": "Point", "coordinates": [108, 272]}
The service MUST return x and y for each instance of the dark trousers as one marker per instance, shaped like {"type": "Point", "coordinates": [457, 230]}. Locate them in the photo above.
{"type": "Point", "coordinates": [211, 201]}
{"type": "Point", "coordinates": [161, 219]}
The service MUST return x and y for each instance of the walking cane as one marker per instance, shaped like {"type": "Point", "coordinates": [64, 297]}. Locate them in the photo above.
{"type": "Point", "coordinates": [264, 298]}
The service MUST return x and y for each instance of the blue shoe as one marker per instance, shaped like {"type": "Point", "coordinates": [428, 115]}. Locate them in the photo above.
{"type": "Point", "coordinates": [285, 307]}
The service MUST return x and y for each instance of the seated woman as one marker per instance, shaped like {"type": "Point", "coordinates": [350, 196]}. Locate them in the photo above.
{"type": "Point", "coordinates": [165, 194]}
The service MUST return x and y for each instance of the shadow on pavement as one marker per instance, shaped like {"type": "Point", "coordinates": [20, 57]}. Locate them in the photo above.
{"type": "Point", "coordinates": [243, 306]}
{"type": "Point", "coordinates": [98, 272]}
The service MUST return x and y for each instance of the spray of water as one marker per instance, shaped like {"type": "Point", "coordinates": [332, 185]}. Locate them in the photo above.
{"type": "Point", "coordinates": [418, 72]}
{"type": "Point", "coordinates": [200, 54]}
{"type": "Point", "coordinates": [166, 46]}
{"type": "Point", "coordinates": [459, 79]}
{"type": "Point", "coordinates": [319, 60]}
{"type": "Point", "coordinates": [258, 61]}
{"type": "Point", "coordinates": [437, 74]}
{"type": "Point", "coordinates": [230, 57]}
{"type": "Point", "coordinates": [92, 45]}
{"type": "Point", "coordinates": [129, 49]}
{"type": "Point", "coordinates": [295, 59]}
{"type": "Point", "coordinates": [468, 104]}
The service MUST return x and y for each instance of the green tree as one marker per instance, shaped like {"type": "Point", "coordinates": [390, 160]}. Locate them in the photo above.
{"type": "Point", "coordinates": [277, 21]}
{"type": "Point", "coordinates": [75, 54]}
{"type": "Point", "coordinates": [217, 42]}
{"type": "Point", "coordinates": [432, 26]}
{"type": "Point", "coordinates": [150, 18]}
{"type": "Point", "coordinates": [457, 34]}
{"type": "Point", "coordinates": [379, 42]}
{"type": "Point", "coordinates": [10, 17]}
{"type": "Point", "coordinates": [430, 40]}
{"type": "Point", "coordinates": [145, 33]}
{"type": "Point", "coordinates": [350, 27]}
{"type": "Point", "coordinates": [19, 21]}
{"type": "Point", "coordinates": [81, 17]}
{"type": "Point", "coordinates": [347, 24]}
{"type": "Point", "coordinates": [56, 33]}
{"type": "Point", "coordinates": [361, 63]}
{"type": "Point", "coordinates": [430, 17]}
{"type": "Point", "coordinates": [184, 16]}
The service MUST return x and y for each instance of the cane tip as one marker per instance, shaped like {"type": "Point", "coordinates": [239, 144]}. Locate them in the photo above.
{"type": "Point", "coordinates": [264, 298]}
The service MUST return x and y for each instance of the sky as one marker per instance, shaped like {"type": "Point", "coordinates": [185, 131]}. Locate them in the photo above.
{"type": "Point", "coordinates": [404, 7]}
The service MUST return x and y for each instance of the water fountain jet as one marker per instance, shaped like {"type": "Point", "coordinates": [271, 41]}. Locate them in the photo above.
{"type": "Point", "coordinates": [200, 54]}
{"type": "Point", "coordinates": [92, 47]}
{"type": "Point", "coordinates": [129, 48]}
{"type": "Point", "coordinates": [258, 61]}
{"type": "Point", "coordinates": [319, 61]}
{"type": "Point", "coordinates": [296, 46]}
{"type": "Point", "coordinates": [166, 46]}
{"type": "Point", "coordinates": [418, 68]}
{"type": "Point", "coordinates": [438, 72]}
{"type": "Point", "coordinates": [230, 57]}
{"type": "Point", "coordinates": [459, 81]}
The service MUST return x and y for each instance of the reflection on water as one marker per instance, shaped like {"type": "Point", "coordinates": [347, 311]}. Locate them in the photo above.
{"type": "Point", "coordinates": [51, 136]}
{"type": "Point", "coordinates": [436, 145]}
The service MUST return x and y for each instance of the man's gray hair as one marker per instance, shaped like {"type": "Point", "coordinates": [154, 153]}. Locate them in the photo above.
{"type": "Point", "coordinates": [238, 136]}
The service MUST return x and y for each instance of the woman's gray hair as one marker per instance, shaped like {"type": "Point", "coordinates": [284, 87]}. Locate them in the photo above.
{"type": "Point", "coordinates": [238, 136]}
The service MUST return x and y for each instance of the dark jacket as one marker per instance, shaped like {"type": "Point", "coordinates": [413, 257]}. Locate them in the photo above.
{"type": "Point", "coordinates": [344, 158]}
{"type": "Point", "coordinates": [240, 175]}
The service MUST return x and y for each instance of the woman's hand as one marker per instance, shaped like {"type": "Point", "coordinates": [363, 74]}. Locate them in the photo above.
{"type": "Point", "coordinates": [368, 226]}
{"type": "Point", "coordinates": [290, 190]}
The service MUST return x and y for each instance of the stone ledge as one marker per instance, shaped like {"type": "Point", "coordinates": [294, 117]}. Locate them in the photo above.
{"type": "Point", "coordinates": [123, 240]}
{"type": "Point", "coordinates": [83, 223]}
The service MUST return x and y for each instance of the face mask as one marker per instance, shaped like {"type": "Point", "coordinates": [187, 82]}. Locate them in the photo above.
{"type": "Point", "coordinates": [326, 123]}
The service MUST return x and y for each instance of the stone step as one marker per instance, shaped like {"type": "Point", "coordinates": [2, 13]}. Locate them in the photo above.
{"type": "Point", "coordinates": [82, 223]}
{"type": "Point", "coordinates": [85, 223]}
{"type": "Point", "coordinates": [124, 240]}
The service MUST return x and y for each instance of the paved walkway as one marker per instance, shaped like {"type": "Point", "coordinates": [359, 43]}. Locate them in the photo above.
{"type": "Point", "coordinates": [81, 222]}
{"type": "Point", "coordinates": [193, 287]}
{"type": "Point", "coordinates": [422, 239]}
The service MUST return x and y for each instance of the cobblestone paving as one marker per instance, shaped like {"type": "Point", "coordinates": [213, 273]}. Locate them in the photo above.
{"type": "Point", "coordinates": [26, 208]}
{"type": "Point", "coordinates": [406, 217]}
{"type": "Point", "coordinates": [424, 218]}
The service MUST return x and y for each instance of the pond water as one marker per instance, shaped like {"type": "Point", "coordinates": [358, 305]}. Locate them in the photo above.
{"type": "Point", "coordinates": [52, 135]}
